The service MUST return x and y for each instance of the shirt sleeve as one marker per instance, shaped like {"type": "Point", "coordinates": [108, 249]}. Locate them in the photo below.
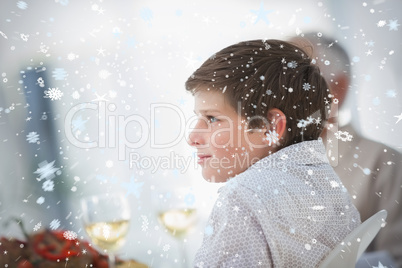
{"type": "Point", "coordinates": [233, 237]}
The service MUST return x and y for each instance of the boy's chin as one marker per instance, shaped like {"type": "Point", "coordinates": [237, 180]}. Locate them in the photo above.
{"type": "Point", "coordinates": [214, 179]}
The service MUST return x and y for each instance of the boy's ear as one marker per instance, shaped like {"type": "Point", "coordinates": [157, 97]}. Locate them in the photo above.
{"type": "Point", "coordinates": [277, 121]}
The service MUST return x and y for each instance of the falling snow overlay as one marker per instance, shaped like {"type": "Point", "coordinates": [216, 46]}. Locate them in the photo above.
{"type": "Point", "coordinates": [47, 170]}
{"type": "Point", "coordinates": [399, 118]}
{"type": "Point", "coordinates": [33, 137]}
{"type": "Point", "coordinates": [272, 137]}
{"type": "Point", "coordinates": [92, 101]}
{"type": "Point", "coordinates": [145, 223]}
{"type": "Point", "coordinates": [343, 136]}
{"type": "Point", "coordinates": [22, 5]}
{"type": "Point", "coordinates": [55, 224]}
{"type": "Point", "coordinates": [37, 226]}
{"type": "Point", "coordinates": [53, 94]}
{"type": "Point", "coordinates": [133, 187]}
{"type": "Point", "coordinates": [261, 14]}
{"type": "Point", "coordinates": [48, 185]}
{"type": "Point", "coordinates": [59, 74]}
{"type": "Point", "coordinates": [70, 235]}
{"type": "Point", "coordinates": [306, 86]}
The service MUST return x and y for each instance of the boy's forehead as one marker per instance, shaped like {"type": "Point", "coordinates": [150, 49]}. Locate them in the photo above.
{"type": "Point", "coordinates": [211, 99]}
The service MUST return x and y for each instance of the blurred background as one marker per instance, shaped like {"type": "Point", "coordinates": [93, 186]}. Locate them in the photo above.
{"type": "Point", "coordinates": [92, 100]}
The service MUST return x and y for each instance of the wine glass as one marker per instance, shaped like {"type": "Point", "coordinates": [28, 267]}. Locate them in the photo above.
{"type": "Point", "coordinates": [177, 213]}
{"type": "Point", "coordinates": [106, 219]}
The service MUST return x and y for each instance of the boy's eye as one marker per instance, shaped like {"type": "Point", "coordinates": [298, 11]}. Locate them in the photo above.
{"type": "Point", "coordinates": [212, 119]}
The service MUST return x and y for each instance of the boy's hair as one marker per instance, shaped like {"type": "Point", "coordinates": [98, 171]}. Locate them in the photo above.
{"type": "Point", "coordinates": [266, 74]}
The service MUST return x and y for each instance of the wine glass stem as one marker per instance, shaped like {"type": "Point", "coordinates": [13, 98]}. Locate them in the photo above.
{"type": "Point", "coordinates": [112, 260]}
{"type": "Point", "coordinates": [184, 255]}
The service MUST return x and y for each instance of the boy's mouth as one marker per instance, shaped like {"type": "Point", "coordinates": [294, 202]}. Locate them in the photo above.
{"type": "Point", "coordinates": [202, 158]}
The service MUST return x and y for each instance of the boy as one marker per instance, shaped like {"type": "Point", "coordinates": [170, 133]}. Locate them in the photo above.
{"type": "Point", "coordinates": [262, 106]}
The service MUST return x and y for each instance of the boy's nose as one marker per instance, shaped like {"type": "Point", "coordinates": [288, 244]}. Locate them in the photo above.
{"type": "Point", "coordinates": [195, 139]}
{"type": "Point", "coordinates": [197, 135]}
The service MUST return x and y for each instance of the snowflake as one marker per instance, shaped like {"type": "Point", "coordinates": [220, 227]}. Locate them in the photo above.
{"type": "Point", "coordinates": [334, 184]}
{"type": "Point", "coordinates": [310, 120]}
{"type": "Point", "coordinates": [62, 2]}
{"type": "Point", "coordinates": [381, 23]}
{"type": "Point", "coordinates": [391, 93]}
{"type": "Point", "coordinates": [76, 95]}
{"type": "Point", "coordinates": [22, 5]}
{"type": "Point", "coordinates": [393, 25]}
{"type": "Point", "coordinates": [272, 137]}
{"type": "Point", "coordinates": [146, 14]}
{"type": "Point", "coordinates": [46, 170]}
{"type": "Point", "coordinates": [37, 226]}
{"type": "Point", "coordinates": [166, 247]}
{"type": "Point", "coordinates": [133, 187]}
{"type": "Point", "coordinates": [145, 223]}
{"type": "Point", "coordinates": [53, 93]}
{"type": "Point", "coordinates": [109, 163]}
{"type": "Point", "coordinates": [302, 123]}
{"type": "Point", "coordinates": [343, 136]}
{"type": "Point", "coordinates": [103, 74]}
{"type": "Point", "coordinates": [318, 121]}
{"type": "Point", "coordinates": [24, 37]}
{"type": "Point", "coordinates": [41, 82]}
{"type": "Point", "coordinates": [189, 199]}
{"type": "Point", "coordinates": [78, 124]}
{"type": "Point", "coordinates": [71, 56]}
{"type": "Point", "coordinates": [55, 224]}
{"type": "Point", "coordinates": [70, 235]}
{"type": "Point", "coordinates": [59, 74]}
{"type": "Point", "coordinates": [209, 230]}
{"type": "Point", "coordinates": [43, 48]}
{"type": "Point", "coordinates": [3, 34]}
{"type": "Point", "coordinates": [48, 186]}
{"type": "Point", "coordinates": [32, 137]}
{"type": "Point", "coordinates": [40, 200]}
{"type": "Point", "coordinates": [306, 86]}
{"type": "Point", "coordinates": [292, 64]}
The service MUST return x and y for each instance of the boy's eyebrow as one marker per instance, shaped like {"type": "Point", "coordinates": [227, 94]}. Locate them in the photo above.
{"type": "Point", "coordinates": [207, 111]}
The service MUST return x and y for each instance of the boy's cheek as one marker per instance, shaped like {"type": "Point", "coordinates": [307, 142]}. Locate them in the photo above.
{"type": "Point", "coordinates": [222, 139]}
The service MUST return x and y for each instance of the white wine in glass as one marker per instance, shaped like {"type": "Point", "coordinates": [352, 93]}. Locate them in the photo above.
{"type": "Point", "coordinates": [108, 235]}
{"type": "Point", "coordinates": [177, 212]}
{"type": "Point", "coordinates": [178, 221]}
{"type": "Point", "coordinates": [107, 218]}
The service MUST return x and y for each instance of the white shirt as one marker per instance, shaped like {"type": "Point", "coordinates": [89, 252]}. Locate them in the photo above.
{"type": "Point", "coordinates": [287, 210]}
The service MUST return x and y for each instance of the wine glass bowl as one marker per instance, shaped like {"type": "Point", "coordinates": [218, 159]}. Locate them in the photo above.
{"type": "Point", "coordinates": [106, 219]}
{"type": "Point", "coordinates": [177, 213]}
{"type": "Point", "coordinates": [178, 221]}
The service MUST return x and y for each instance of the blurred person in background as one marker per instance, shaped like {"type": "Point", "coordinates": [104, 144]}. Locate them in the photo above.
{"type": "Point", "coordinates": [370, 170]}
{"type": "Point", "coordinates": [32, 185]}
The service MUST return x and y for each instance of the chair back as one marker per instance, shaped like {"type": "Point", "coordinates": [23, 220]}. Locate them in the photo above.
{"type": "Point", "coordinates": [347, 253]}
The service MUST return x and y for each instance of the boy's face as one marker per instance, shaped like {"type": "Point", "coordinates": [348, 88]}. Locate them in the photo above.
{"type": "Point", "coordinates": [224, 149]}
